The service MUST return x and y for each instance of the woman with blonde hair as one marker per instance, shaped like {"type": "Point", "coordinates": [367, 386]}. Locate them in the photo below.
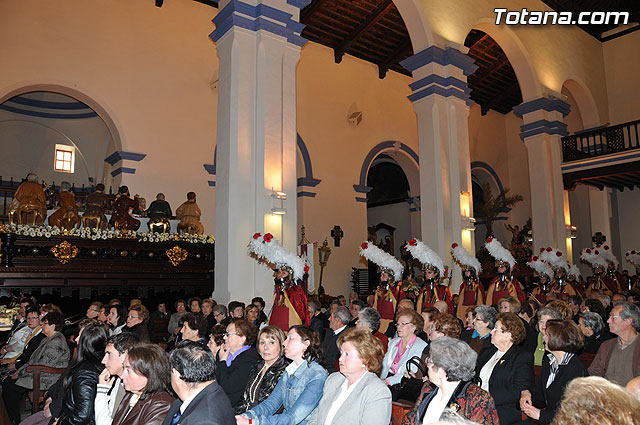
{"type": "Point", "coordinates": [355, 395]}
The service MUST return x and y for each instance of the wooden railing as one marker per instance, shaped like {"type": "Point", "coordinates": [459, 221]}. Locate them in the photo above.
{"type": "Point", "coordinates": [602, 141]}
{"type": "Point", "coordinates": [9, 187]}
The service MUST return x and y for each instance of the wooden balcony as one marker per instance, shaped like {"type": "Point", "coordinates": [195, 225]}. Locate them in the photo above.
{"type": "Point", "coordinates": [603, 157]}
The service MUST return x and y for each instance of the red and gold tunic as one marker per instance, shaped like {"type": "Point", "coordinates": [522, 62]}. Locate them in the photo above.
{"type": "Point", "coordinates": [386, 301]}
{"type": "Point", "coordinates": [429, 295]}
{"type": "Point", "coordinates": [471, 295]}
{"type": "Point", "coordinates": [290, 307]}
{"type": "Point", "coordinates": [500, 289]}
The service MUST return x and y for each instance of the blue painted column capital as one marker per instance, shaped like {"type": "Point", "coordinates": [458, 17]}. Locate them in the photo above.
{"type": "Point", "coordinates": [121, 156]}
{"type": "Point", "coordinates": [259, 18]}
{"type": "Point", "coordinates": [440, 83]}
{"type": "Point", "coordinates": [546, 125]}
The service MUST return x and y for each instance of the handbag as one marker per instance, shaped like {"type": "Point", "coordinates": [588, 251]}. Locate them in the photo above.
{"type": "Point", "coordinates": [409, 388]}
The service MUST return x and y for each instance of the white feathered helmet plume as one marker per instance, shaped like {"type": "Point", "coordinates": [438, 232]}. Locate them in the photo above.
{"type": "Point", "coordinates": [499, 252]}
{"type": "Point", "coordinates": [266, 248]}
{"type": "Point", "coordinates": [540, 266]}
{"type": "Point", "coordinates": [573, 270]}
{"type": "Point", "coordinates": [592, 256]}
{"type": "Point", "coordinates": [633, 257]}
{"type": "Point", "coordinates": [383, 259]}
{"type": "Point", "coordinates": [425, 255]}
{"type": "Point", "coordinates": [554, 258]}
{"type": "Point", "coordinates": [466, 260]}
{"type": "Point", "coordinates": [605, 252]}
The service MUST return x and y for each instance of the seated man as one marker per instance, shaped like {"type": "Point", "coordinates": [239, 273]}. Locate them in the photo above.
{"type": "Point", "coordinates": [189, 215]}
{"type": "Point", "coordinates": [159, 213]}
{"type": "Point", "coordinates": [29, 199]}
{"type": "Point", "coordinates": [97, 204]}
{"type": "Point", "coordinates": [121, 219]}
{"type": "Point", "coordinates": [66, 216]}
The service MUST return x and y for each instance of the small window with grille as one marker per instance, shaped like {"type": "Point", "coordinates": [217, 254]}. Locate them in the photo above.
{"type": "Point", "coordinates": [64, 159]}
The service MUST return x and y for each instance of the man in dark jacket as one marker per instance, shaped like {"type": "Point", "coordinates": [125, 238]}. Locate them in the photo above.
{"type": "Point", "coordinates": [337, 324]}
{"type": "Point", "coordinates": [193, 372]}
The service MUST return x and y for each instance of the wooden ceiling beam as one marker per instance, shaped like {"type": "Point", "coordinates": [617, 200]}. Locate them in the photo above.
{"type": "Point", "coordinates": [500, 98]}
{"type": "Point", "coordinates": [364, 26]}
{"type": "Point", "coordinates": [489, 71]}
{"type": "Point", "coordinates": [386, 63]}
{"type": "Point", "coordinates": [308, 11]}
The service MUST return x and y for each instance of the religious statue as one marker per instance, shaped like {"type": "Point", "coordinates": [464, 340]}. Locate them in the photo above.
{"type": "Point", "coordinates": [66, 217]}
{"type": "Point", "coordinates": [189, 215]}
{"type": "Point", "coordinates": [97, 204]}
{"type": "Point", "coordinates": [159, 213]}
{"type": "Point", "coordinates": [121, 219]}
{"type": "Point", "coordinates": [29, 201]}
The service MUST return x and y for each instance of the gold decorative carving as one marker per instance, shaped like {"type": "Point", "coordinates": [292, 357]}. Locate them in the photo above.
{"type": "Point", "coordinates": [177, 255]}
{"type": "Point", "coordinates": [64, 251]}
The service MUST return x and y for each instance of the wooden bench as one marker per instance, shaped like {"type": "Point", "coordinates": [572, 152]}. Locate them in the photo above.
{"type": "Point", "coordinates": [36, 393]}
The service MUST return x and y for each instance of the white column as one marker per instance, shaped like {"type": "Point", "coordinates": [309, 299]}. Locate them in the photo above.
{"type": "Point", "coordinates": [441, 101]}
{"type": "Point", "coordinates": [542, 130]}
{"type": "Point", "coordinates": [258, 46]}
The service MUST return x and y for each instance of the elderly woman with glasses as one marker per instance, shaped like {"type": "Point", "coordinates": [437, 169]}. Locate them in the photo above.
{"type": "Point", "coordinates": [484, 319]}
{"type": "Point", "coordinates": [594, 331]}
{"type": "Point", "coordinates": [404, 347]}
{"type": "Point", "coordinates": [451, 368]}
{"type": "Point", "coordinates": [506, 369]}
{"type": "Point", "coordinates": [236, 359]}
{"type": "Point", "coordinates": [563, 340]}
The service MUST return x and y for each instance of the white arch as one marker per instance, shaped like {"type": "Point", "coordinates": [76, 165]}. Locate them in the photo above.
{"type": "Point", "coordinates": [585, 101]}
{"type": "Point", "coordinates": [509, 42]}
{"type": "Point", "coordinates": [415, 19]}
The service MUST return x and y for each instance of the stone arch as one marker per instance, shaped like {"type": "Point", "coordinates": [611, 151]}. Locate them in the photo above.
{"type": "Point", "coordinates": [99, 107]}
{"type": "Point", "coordinates": [408, 160]}
{"type": "Point", "coordinates": [585, 101]}
{"type": "Point", "coordinates": [307, 180]}
{"type": "Point", "coordinates": [509, 42]}
{"type": "Point", "coordinates": [415, 19]}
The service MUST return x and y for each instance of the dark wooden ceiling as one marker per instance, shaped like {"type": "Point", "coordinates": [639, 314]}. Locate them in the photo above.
{"type": "Point", "coordinates": [621, 176]}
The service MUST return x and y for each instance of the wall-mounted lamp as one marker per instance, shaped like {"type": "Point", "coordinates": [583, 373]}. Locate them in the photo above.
{"type": "Point", "coordinates": [572, 231]}
{"type": "Point", "coordinates": [278, 202]}
{"type": "Point", "coordinates": [468, 222]}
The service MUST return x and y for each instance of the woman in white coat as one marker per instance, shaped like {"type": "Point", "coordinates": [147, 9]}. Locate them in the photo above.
{"type": "Point", "coordinates": [355, 395]}
{"type": "Point", "coordinates": [404, 347]}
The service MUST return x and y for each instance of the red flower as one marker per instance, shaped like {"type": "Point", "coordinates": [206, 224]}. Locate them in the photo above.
{"type": "Point", "coordinates": [413, 242]}
{"type": "Point", "coordinates": [268, 237]}
{"type": "Point", "coordinates": [454, 245]}
{"type": "Point", "coordinates": [597, 252]}
{"type": "Point", "coordinates": [606, 247]}
{"type": "Point", "coordinates": [364, 245]}
{"type": "Point", "coordinates": [549, 249]}
{"type": "Point", "coordinates": [559, 253]}
{"type": "Point", "coordinates": [306, 269]}
{"type": "Point", "coordinates": [529, 260]}
{"type": "Point", "coordinates": [256, 235]}
{"type": "Point", "coordinates": [633, 252]}
{"type": "Point", "coordinates": [535, 258]}
{"type": "Point", "coordinates": [489, 240]}
{"type": "Point", "coordinates": [541, 249]}
{"type": "Point", "coordinates": [588, 250]}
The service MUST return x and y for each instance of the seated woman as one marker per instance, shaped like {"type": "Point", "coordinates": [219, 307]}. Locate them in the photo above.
{"type": "Point", "coordinates": [594, 331]}
{"type": "Point", "coordinates": [355, 395]}
{"type": "Point", "coordinates": [484, 320]}
{"type": "Point", "coordinates": [216, 339]}
{"type": "Point", "coordinates": [451, 368]}
{"type": "Point", "coordinates": [563, 340]}
{"type": "Point", "coordinates": [147, 379]}
{"type": "Point", "coordinates": [369, 320]}
{"type": "Point", "coordinates": [236, 359]}
{"type": "Point", "coordinates": [445, 324]}
{"type": "Point", "coordinates": [80, 383]}
{"type": "Point", "coordinates": [117, 318]}
{"type": "Point", "coordinates": [506, 369]}
{"type": "Point", "coordinates": [267, 372]}
{"type": "Point", "coordinates": [194, 328]}
{"type": "Point", "coordinates": [402, 348]}
{"type": "Point", "coordinates": [300, 388]}
{"type": "Point", "coordinates": [137, 322]}
{"type": "Point", "coordinates": [252, 315]}
{"type": "Point", "coordinates": [53, 351]}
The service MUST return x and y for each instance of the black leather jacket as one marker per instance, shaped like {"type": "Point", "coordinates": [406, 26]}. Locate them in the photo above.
{"type": "Point", "coordinates": [80, 395]}
{"type": "Point", "coordinates": [268, 383]}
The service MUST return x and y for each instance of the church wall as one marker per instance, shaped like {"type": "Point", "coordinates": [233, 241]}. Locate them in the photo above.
{"type": "Point", "coordinates": [148, 68]}
{"type": "Point", "coordinates": [31, 147]}
{"type": "Point", "coordinates": [396, 215]}
{"type": "Point", "coordinates": [327, 94]}
{"type": "Point", "coordinates": [622, 64]}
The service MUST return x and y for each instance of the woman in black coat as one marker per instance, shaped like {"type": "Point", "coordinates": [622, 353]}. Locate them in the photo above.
{"type": "Point", "coordinates": [563, 340]}
{"type": "Point", "coordinates": [266, 372]}
{"type": "Point", "coordinates": [594, 331]}
{"type": "Point", "coordinates": [236, 358]}
{"type": "Point", "coordinates": [79, 386]}
{"type": "Point", "coordinates": [506, 369]}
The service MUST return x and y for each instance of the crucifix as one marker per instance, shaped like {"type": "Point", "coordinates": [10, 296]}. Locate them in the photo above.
{"type": "Point", "coordinates": [336, 234]}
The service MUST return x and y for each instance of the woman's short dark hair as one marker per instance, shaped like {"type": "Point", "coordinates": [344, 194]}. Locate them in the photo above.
{"type": "Point", "coordinates": [55, 318]}
{"type": "Point", "coordinates": [194, 362]}
{"type": "Point", "coordinates": [314, 350]}
{"type": "Point", "coordinates": [150, 361]}
{"type": "Point", "coordinates": [122, 312]}
{"type": "Point", "coordinates": [513, 324]}
{"type": "Point", "coordinates": [217, 333]}
{"type": "Point", "coordinates": [447, 325]}
{"type": "Point", "coordinates": [91, 344]}
{"type": "Point", "coordinates": [175, 305]}
{"type": "Point", "coordinates": [596, 306]}
{"type": "Point", "coordinates": [196, 322]}
{"type": "Point", "coordinates": [245, 329]}
{"type": "Point", "coordinates": [564, 335]}
{"type": "Point", "coordinates": [235, 304]}
{"type": "Point", "coordinates": [195, 299]}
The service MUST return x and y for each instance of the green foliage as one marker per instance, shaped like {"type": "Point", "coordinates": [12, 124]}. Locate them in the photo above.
{"type": "Point", "coordinates": [494, 205]}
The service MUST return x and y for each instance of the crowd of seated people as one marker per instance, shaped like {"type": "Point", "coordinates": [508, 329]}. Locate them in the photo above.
{"type": "Point", "coordinates": [513, 363]}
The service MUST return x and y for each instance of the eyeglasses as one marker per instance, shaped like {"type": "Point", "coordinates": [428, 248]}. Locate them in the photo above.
{"type": "Point", "coordinates": [404, 323]}
{"type": "Point", "coordinates": [497, 330]}
{"type": "Point", "coordinates": [231, 333]}
{"type": "Point", "coordinates": [132, 317]}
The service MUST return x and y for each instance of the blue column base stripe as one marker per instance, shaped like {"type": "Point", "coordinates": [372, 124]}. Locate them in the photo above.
{"type": "Point", "coordinates": [211, 183]}
{"type": "Point", "coordinates": [300, 4]}
{"type": "Point", "coordinates": [543, 130]}
{"type": "Point", "coordinates": [361, 199]}
{"type": "Point", "coordinates": [306, 194]}
{"type": "Point", "coordinates": [123, 170]}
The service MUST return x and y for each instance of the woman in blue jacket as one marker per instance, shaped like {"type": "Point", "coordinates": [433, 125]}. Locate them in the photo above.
{"type": "Point", "coordinates": [299, 390]}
